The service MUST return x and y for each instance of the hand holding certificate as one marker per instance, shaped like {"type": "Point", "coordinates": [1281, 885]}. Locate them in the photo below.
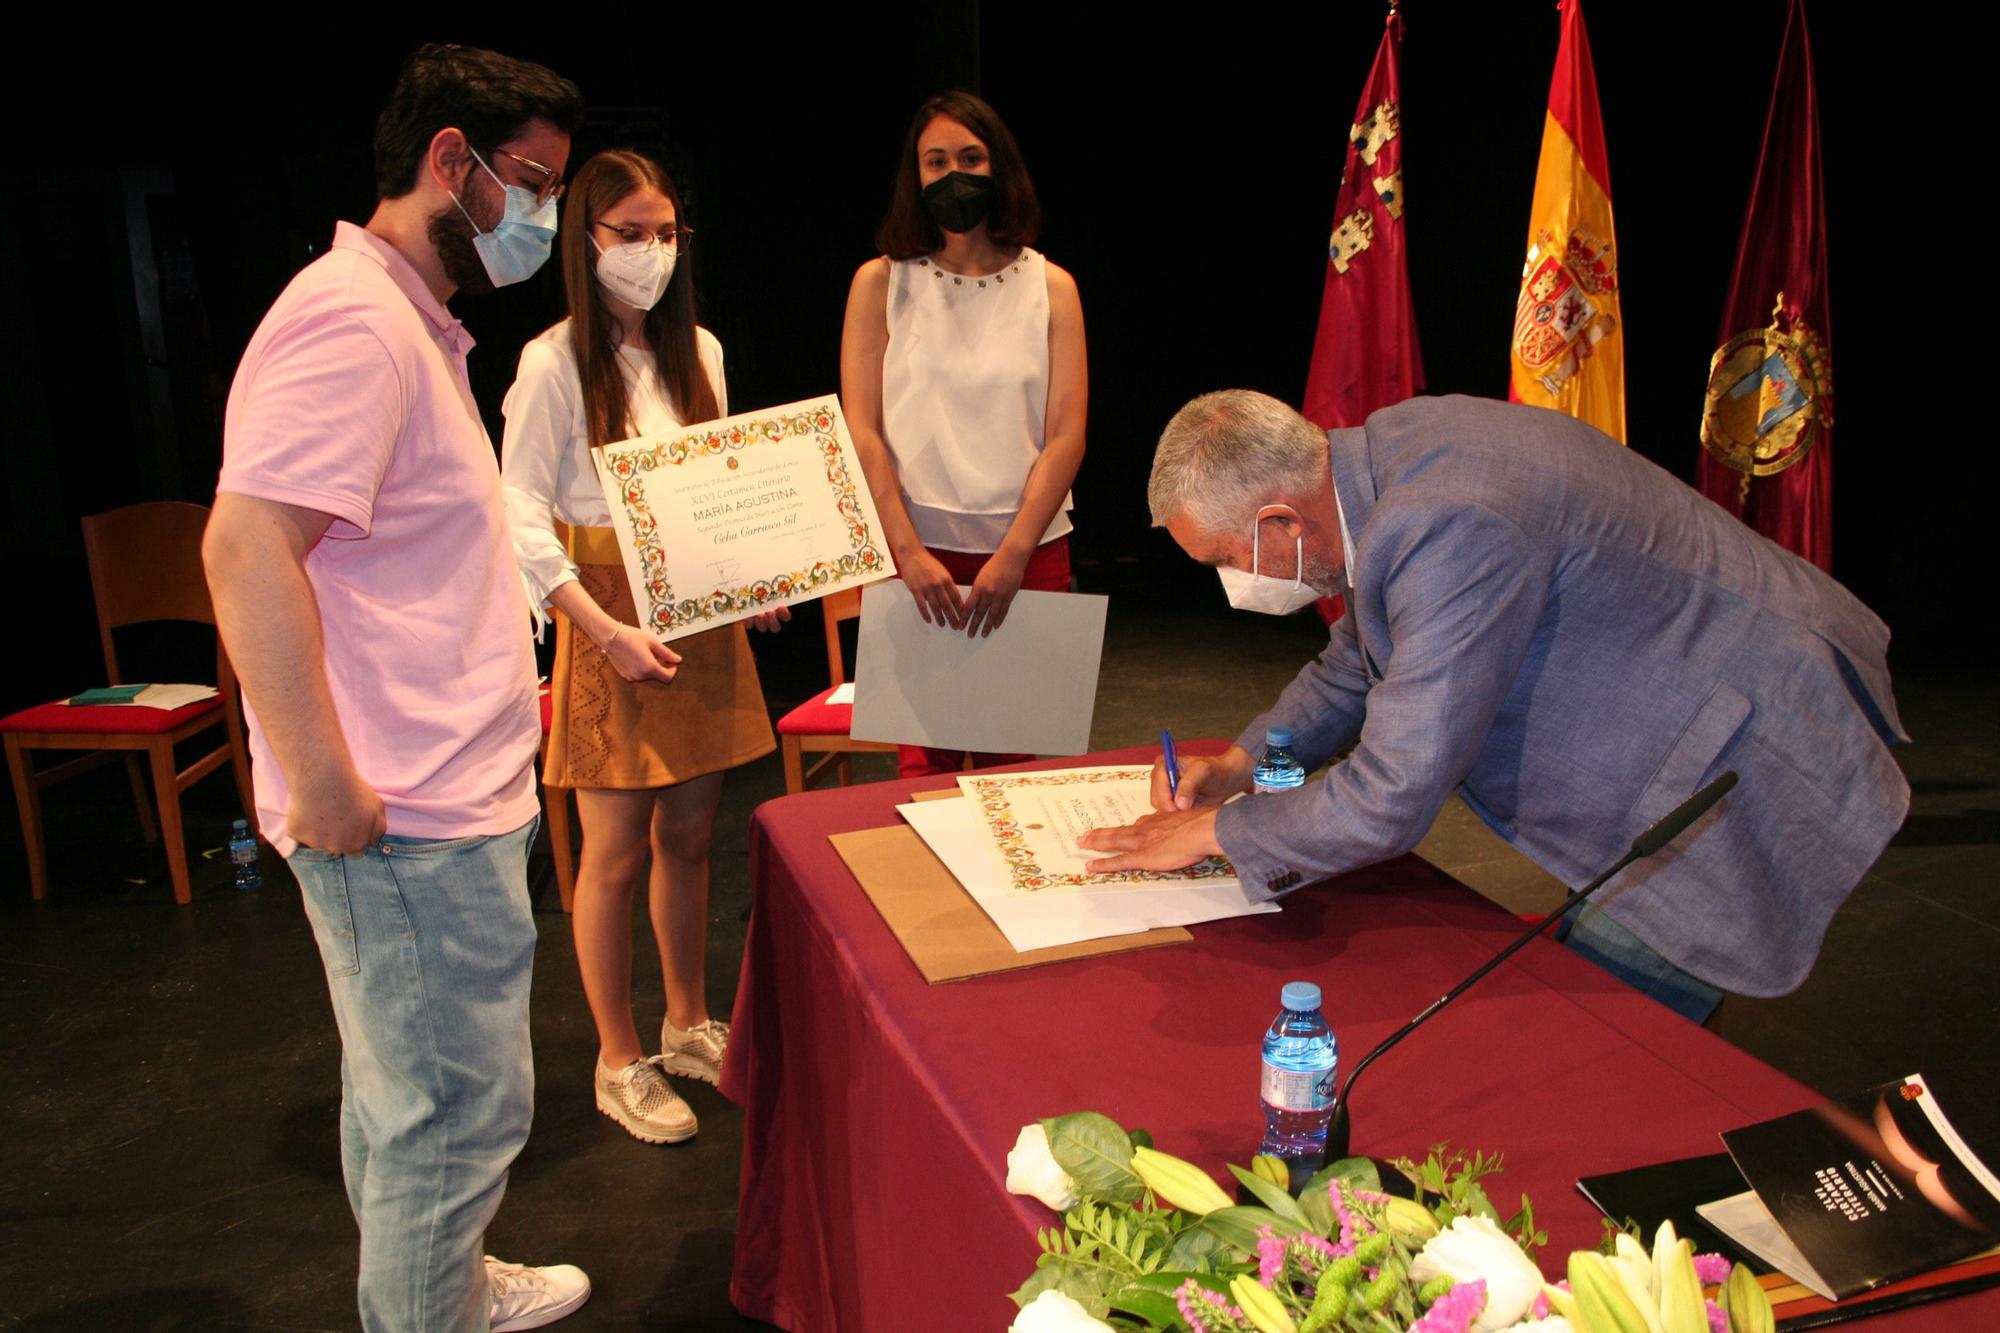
{"type": "Point", "coordinates": [732, 518]}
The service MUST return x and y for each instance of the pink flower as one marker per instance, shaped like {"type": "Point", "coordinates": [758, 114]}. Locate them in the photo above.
{"type": "Point", "coordinates": [1270, 1255]}
{"type": "Point", "coordinates": [1712, 1270]}
{"type": "Point", "coordinates": [1718, 1322]}
{"type": "Point", "coordinates": [1205, 1312]}
{"type": "Point", "coordinates": [1454, 1311]}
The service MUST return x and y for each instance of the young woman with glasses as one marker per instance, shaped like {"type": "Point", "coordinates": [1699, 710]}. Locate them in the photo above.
{"type": "Point", "coordinates": [641, 731]}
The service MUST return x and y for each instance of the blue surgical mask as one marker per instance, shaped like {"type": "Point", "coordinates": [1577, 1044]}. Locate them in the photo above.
{"type": "Point", "coordinates": [520, 243]}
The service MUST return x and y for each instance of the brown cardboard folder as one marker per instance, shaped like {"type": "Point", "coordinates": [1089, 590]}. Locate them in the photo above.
{"type": "Point", "coordinates": [937, 922]}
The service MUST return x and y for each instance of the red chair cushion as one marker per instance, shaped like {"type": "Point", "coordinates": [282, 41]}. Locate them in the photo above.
{"type": "Point", "coordinates": [817, 717]}
{"type": "Point", "coordinates": [548, 710]}
{"type": "Point", "coordinates": [106, 720]}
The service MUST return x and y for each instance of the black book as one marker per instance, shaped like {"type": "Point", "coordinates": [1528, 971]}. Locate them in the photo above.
{"type": "Point", "coordinates": [1864, 1190]}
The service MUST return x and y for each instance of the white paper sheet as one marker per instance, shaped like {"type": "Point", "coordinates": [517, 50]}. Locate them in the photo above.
{"type": "Point", "coordinates": [954, 831]}
{"type": "Point", "coordinates": [1744, 1219]}
{"type": "Point", "coordinates": [843, 694]}
{"type": "Point", "coordinates": [1030, 687]}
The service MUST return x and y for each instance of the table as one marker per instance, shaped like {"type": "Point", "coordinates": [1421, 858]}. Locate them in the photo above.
{"type": "Point", "coordinates": [878, 1109]}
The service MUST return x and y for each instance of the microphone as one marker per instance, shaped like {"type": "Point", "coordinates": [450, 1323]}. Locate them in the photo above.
{"type": "Point", "coordinates": [1669, 827]}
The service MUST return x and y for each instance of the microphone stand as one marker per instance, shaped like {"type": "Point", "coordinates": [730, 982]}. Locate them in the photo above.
{"type": "Point", "coordinates": [1671, 826]}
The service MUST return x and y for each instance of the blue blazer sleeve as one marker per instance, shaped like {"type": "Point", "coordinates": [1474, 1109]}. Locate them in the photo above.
{"type": "Point", "coordinates": [1323, 705]}
{"type": "Point", "coordinates": [1460, 591]}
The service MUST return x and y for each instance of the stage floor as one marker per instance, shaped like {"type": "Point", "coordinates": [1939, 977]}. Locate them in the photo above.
{"type": "Point", "coordinates": [167, 1145]}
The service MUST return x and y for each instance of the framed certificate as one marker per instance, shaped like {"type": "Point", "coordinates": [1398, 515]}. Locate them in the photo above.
{"type": "Point", "coordinates": [729, 518]}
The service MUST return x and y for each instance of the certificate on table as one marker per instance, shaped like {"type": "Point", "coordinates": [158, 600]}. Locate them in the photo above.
{"type": "Point", "coordinates": [1030, 687]}
{"type": "Point", "coordinates": [1033, 820]}
{"type": "Point", "coordinates": [954, 831]}
{"type": "Point", "coordinates": [723, 520]}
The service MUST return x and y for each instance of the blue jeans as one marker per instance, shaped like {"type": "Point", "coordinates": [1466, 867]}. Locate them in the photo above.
{"type": "Point", "coordinates": [1624, 955]}
{"type": "Point", "coordinates": [429, 947]}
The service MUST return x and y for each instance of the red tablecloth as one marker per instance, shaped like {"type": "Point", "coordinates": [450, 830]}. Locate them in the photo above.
{"type": "Point", "coordinates": [878, 1109]}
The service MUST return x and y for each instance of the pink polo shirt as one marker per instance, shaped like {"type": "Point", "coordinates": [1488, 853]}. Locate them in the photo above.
{"type": "Point", "coordinates": [352, 400]}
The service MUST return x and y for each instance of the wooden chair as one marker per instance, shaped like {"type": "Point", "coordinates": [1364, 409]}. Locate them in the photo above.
{"type": "Point", "coordinates": [821, 728]}
{"type": "Point", "coordinates": [555, 816]}
{"type": "Point", "coordinates": [145, 565]}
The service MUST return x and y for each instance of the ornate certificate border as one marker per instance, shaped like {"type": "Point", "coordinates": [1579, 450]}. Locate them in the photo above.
{"type": "Point", "coordinates": [1023, 871]}
{"type": "Point", "coordinates": [628, 465]}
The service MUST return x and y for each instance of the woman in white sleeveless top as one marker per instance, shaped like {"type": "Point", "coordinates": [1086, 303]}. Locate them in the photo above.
{"type": "Point", "coordinates": [962, 371]}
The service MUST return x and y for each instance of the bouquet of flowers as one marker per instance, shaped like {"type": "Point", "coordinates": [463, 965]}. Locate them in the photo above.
{"type": "Point", "coordinates": [1148, 1241]}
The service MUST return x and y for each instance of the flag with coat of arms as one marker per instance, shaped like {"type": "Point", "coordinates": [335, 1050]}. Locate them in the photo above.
{"type": "Point", "coordinates": [1568, 348]}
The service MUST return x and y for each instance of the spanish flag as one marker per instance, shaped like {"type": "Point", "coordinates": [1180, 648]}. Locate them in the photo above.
{"type": "Point", "coordinates": [1569, 350]}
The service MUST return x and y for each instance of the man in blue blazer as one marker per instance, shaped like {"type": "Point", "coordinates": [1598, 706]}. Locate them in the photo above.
{"type": "Point", "coordinates": [1567, 636]}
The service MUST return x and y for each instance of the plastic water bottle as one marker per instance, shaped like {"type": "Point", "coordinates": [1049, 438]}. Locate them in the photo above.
{"type": "Point", "coordinates": [1279, 769]}
{"type": "Point", "coordinates": [243, 856]}
{"type": "Point", "coordinates": [1301, 1060]}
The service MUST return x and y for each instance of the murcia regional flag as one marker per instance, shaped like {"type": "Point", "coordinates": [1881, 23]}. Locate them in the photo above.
{"type": "Point", "coordinates": [1569, 350]}
{"type": "Point", "coordinates": [1365, 356]}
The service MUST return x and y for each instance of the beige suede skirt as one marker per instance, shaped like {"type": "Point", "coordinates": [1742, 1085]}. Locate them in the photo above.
{"type": "Point", "coordinates": [606, 731]}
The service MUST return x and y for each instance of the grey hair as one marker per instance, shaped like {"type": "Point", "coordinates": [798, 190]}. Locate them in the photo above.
{"type": "Point", "coordinates": [1227, 453]}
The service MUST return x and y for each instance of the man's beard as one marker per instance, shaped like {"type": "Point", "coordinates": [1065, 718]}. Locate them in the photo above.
{"type": "Point", "coordinates": [451, 236]}
{"type": "Point", "coordinates": [1330, 580]}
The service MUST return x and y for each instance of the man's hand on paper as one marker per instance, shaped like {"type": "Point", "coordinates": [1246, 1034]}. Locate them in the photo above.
{"type": "Point", "coordinates": [1171, 840]}
{"type": "Point", "coordinates": [993, 592]}
{"type": "Point", "coordinates": [931, 584]}
{"type": "Point", "coordinates": [1206, 780]}
{"type": "Point", "coordinates": [637, 655]}
{"type": "Point", "coordinates": [333, 810]}
{"type": "Point", "coordinates": [769, 621]}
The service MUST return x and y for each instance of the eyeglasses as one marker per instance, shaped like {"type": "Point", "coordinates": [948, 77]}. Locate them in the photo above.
{"type": "Point", "coordinates": [674, 237]}
{"type": "Point", "coordinates": [552, 186]}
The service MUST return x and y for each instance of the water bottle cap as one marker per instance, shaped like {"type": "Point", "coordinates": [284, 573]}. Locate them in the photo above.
{"type": "Point", "coordinates": [240, 826]}
{"type": "Point", "coordinates": [1300, 996]}
{"type": "Point", "coordinates": [1279, 736]}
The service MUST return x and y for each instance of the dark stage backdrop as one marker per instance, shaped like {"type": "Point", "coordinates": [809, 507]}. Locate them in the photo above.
{"type": "Point", "coordinates": [1187, 171]}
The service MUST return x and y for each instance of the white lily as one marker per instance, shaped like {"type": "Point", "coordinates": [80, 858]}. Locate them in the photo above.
{"type": "Point", "coordinates": [1033, 1170]}
{"type": "Point", "coordinates": [1053, 1312]}
{"type": "Point", "coordinates": [1473, 1249]}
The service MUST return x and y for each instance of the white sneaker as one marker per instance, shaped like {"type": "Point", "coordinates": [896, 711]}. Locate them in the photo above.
{"type": "Point", "coordinates": [640, 1098]}
{"type": "Point", "coordinates": [526, 1297]}
{"type": "Point", "coordinates": [696, 1052]}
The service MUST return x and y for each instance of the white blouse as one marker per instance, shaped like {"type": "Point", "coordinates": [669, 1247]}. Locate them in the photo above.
{"type": "Point", "coordinates": [965, 391]}
{"type": "Point", "coordinates": [546, 469]}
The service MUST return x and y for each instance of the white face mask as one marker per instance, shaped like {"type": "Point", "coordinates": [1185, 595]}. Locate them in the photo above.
{"type": "Point", "coordinates": [637, 273]}
{"type": "Point", "coordinates": [1252, 591]}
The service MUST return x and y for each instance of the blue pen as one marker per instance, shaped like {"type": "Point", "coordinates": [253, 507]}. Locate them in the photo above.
{"type": "Point", "coordinates": [1173, 764]}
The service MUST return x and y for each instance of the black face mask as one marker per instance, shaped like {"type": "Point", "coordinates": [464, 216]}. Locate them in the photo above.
{"type": "Point", "coordinates": [959, 200]}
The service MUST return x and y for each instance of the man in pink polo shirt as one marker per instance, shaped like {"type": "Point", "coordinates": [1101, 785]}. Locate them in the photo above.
{"type": "Point", "coordinates": [365, 586]}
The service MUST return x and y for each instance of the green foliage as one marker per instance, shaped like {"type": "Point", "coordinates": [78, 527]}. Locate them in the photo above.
{"type": "Point", "coordinates": [1152, 1297]}
{"type": "Point", "coordinates": [1314, 1201]}
{"type": "Point", "coordinates": [1098, 1249]}
{"type": "Point", "coordinates": [1271, 1196]}
{"type": "Point", "coordinates": [1607, 1243]}
{"type": "Point", "coordinates": [1449, 1183]}
{"type": "Point", "coordinates": [1097, 1154]}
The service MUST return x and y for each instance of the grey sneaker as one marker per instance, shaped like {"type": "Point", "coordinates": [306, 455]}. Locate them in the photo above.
{"type": "Point", "coordinates": [640, 1098]}
{"type": "Point", "coordinates": [526, 1297]}
{"type": "Point", "coordinates": [696, 1052]}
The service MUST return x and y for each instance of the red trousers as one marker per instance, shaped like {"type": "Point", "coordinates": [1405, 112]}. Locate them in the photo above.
{"type": "Point", "coordinates": [1047, 571]}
